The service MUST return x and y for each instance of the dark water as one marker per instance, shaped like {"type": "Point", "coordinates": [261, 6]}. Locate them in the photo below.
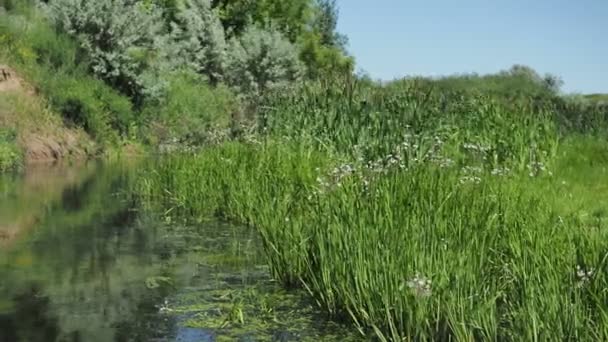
{"type": "Point", "coordinates": [83, 259]}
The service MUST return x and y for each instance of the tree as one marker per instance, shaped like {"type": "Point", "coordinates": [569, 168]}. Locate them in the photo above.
{"type": "Point", "coordinates": [309, 24]}
{"type": "Point", "coordinates": [553, 83]}
{"type": "Point", "coordinates": [289, 17]}
{"type": "Point", "coordinates": [199, 38]}
{"type": "Point", "coordinates": [260, 60]}
{"type": "Point", "coordinates": [321, 60]}
{"type": "Point", "coordinates": [326, 24]}
{"type": "Point", "coordinates": [118, 36]}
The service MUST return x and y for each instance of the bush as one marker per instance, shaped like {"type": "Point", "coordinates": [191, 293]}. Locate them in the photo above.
{"type": "Point", "coordinates": [52, 62]}
{"type": "Point", "coordinates": [10, 156]}
{"type": "Point", "coordinates": [89, 104]}
{"type": "Point", "coordinates": [190, 110]}
{"type": "Point", "coordinates": [199, 38]}
{"type": "Point", "coordinates": [260, 60]}
{"type": "Point", "coordinates": [519, 81]}
{"type": "Point", "coordinates": [11, 5]}
{"type": "Point", "coordinates": [118, 36]}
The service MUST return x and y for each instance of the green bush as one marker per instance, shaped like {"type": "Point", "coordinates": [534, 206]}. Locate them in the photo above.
{"type": "Point", "coordinates": [261, 60]}
{"type": "Point", "coordinates": [199, 39]}
{"type": "Point", "coordinates": [190, 109]}
{"type": "Point", "coordinates": [89, 104]}
{"type": "Point", "coordinates": [118, 37]}
{"type": "Point", "coordinates": [14, 5]}
{"type": "Point", "coordinates": [10, 156]}
{"type": "Point", "coordinates": [53, 63]}
{"type": "Point", "coordinates": [518, 81]}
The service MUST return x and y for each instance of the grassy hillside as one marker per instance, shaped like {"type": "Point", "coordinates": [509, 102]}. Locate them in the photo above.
{"type": "Point", "coordinates": [31, 131]}
{"type": "Point", "coordinates": [50, 103]}
{"type": "Point", "coordinates": [172, 72]}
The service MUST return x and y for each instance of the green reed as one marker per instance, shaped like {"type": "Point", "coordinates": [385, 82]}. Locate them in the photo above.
{"type": "Point", "coordinates": [414, 215]}
{"type": "Point", "coordinates": [348, 116]}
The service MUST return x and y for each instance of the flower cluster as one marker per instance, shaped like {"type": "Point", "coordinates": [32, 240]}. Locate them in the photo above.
{"type": "Point", "coordinates": [583, 275]}
{"type": "Point", "coordinates": [420, 285]}
{"type": "Point", "coordinates": [164, 307]}
{"type": "Point", "coordinates": [412, 151]}
{"type": "Point", "coordinates": [476, 147]}
{"type": "Point", "coordinates": [477, 150]}
{"type": "Point", "coordinates": [443, 162]}
{"type": "Point", "coordinates": [535, 168]}
{"type": "Point", "coordinates": [469, 170]}
{"type": "Point", "coordinates": [385, 164]}
{"type": "Point", "coordinates": [500, 171]}
{"type": "Point", "coordinates": [470, 179]}
{"type": "Point", "coordinates": [471, 175]}
{"type": "Point", "coordinates": [336, 176]}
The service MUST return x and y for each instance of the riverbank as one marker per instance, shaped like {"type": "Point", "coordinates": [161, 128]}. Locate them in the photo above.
{"type": "Point", "coordinates": [431, 252]}
{"type": "Point", "coordinates": [31, 132]}
{"type": "Point", "coordinates": [83, 257]}
{"type": "Point", "coordinates": [417, 213]}
{"type": "Point", "coordinates": [467, 207]}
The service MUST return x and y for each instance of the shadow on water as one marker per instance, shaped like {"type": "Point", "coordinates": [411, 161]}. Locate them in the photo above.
{"type": "Point", "coordinates": [81, 260]}
{"type": "Point", "coordinates": [30, 320]}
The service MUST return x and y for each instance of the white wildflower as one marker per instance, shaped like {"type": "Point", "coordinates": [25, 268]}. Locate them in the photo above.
{"type": "Point", "coordinates": [583, 275]}
{"type": "Point", "coordinates": [420, 286]}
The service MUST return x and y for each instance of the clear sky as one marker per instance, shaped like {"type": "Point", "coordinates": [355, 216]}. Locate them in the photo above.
{"type": "Point", "coordinates": [394, 38]}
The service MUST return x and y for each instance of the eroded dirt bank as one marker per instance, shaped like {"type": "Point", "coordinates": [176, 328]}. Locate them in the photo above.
{"type": "Point", "coordinates": [41, 134]}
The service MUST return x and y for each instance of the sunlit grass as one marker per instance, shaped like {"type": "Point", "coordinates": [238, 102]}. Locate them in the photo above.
{"type": "Point", "coordinates": [494, 255]}
{"type": "Point", "coordinates": [416, 216]}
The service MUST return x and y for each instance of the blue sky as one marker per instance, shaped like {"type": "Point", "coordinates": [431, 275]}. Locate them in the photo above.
{"type": "Point", "coordinates": [394, 38]}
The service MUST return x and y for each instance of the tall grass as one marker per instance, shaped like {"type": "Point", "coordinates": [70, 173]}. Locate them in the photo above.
{"type": "Point", "coordinates": [422, 253]}
{"type": "Point", "coordinates": [416, 214]}
{"type": "Point", "coordinates": [190, 110]}
{"type": "Point", "coordinates": [371, 121]}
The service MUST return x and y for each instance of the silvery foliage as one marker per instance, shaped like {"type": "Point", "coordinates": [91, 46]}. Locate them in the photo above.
{"type": "Point", "coordinates": [199, 39]}
{"type": "Point", "coordinates": [260, 60]}
{"type": "Point", "coordinates": [118, 36]}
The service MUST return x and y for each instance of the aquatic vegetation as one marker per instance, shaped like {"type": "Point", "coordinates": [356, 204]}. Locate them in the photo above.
{"type": "Point", "coordinates": [424, 251]}
{"type": "Point", "coordinates": [93, 263]}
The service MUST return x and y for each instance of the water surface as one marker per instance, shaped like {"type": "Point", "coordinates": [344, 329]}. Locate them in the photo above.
{"type": "Point", "coordinates": [81, 259]}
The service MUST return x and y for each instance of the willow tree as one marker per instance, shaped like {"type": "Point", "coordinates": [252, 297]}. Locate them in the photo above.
{"type": "Point", "coordinates": [311, 25]}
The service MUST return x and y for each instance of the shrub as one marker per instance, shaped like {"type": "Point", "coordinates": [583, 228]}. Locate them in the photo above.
{"type": "Point", "coordinates": [52, 62]}
{"type": "Point", "coordinates": [90, 104]}
{"type": "Point", "coordinates": [118, 36]}
{"type": "Point", "coordinates": [191, 108]}
{"type": "Point", "coordinates": [10, 156]}
{"type": "Point", "coordinates": [199, 38]}
{"type": "Point", "coordinates": [260, 60]}
{"type": "Point", "coordinates": [11, 5]}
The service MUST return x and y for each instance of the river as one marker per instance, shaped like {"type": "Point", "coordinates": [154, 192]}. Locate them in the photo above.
{"type": "Point", "coordinates": [82, 259]}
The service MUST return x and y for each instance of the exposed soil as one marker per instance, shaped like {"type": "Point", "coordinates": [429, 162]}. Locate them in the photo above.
{"type": "Point", "coordinates": [40, 148]}
{"type": "Point", "coordinates": [40, 143]}
{"type": "Point", "coordinates": [9, 81]}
